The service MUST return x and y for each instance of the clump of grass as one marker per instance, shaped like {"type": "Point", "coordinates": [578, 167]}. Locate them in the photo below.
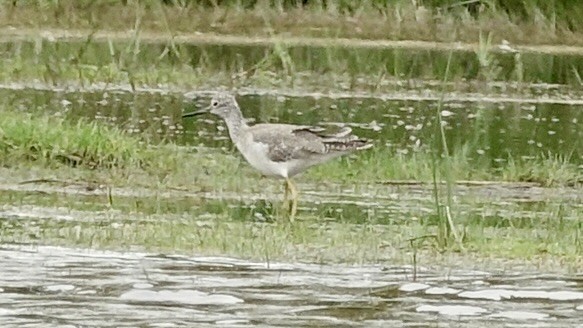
{"type": "Point", "coordinates": [52, 139]}
{"type": "Point", "coordinates": [489, 68]}
{"type": "Point", "coordinates": [381, 165]}
{"type": "Point", "coordinates": [546, 169]}
{"type": "Point", "coordinates": [447, 233]}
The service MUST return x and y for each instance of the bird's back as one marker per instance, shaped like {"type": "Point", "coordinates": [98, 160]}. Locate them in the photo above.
{"type": "Point", "coordinates": [288, 141]}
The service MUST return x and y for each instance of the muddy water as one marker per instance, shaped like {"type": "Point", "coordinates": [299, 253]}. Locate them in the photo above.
{"type": "Point", "coordinates": [61, 287]}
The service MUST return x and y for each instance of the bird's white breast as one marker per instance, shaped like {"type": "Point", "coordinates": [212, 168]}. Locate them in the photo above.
{"type": "Point", "coordinates": [256, 154]}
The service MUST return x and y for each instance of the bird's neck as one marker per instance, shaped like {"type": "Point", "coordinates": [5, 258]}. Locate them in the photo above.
{"type": "Point", "coordinates": [235, 123]}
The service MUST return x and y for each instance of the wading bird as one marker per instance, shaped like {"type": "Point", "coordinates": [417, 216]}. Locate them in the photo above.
{"type": "Point", "coordinates": [281, 150]}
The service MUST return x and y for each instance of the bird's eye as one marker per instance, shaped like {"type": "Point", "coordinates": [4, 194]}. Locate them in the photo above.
{"type": "Point", "coordinates": [215, 104]}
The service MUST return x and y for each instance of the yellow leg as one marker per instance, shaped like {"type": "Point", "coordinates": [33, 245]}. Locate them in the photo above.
{"type": "Point", "coordinates": [294, 198]}
{"type": "Point", "coordinates": [285, 205]}
{"type": "Point", "coordinates": [285, 192]}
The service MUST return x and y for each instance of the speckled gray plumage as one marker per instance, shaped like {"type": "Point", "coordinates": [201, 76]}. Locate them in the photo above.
{"type": "Point", "coordinates": [286, 142]}
{"type": "Point", "coordinates": [282, 149]}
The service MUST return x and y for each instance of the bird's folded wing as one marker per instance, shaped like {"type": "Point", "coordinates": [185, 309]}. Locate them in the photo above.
{"type": "Point", "coordinates": [287, 142]}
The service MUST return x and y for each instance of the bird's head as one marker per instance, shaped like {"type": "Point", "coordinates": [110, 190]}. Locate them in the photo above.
{"type": "Point", "coordinates": [222, 104]}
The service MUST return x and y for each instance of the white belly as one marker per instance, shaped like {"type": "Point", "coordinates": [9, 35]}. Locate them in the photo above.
{"type": "Point", "coordinates": [256, 155]}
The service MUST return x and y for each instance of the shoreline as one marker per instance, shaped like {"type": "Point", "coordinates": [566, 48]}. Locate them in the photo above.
{"type": "Point", "coordinates": [9, 34]}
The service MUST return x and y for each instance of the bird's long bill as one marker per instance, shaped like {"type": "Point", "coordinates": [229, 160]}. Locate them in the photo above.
{"type": "Point", "coordinates": [196, 112]}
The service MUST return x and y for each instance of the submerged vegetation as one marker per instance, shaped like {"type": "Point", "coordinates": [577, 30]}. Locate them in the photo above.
{"type": "Point", "coordinates": [551, 240]}
{"type": "Point", "coordinates": [153, 43]}
{"type": "Point", "coordinates": [150, 200]}
{"type": "Point", "coordinates": [195, 203]}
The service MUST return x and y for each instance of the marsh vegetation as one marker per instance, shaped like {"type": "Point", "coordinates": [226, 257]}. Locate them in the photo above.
{"type": "Point", "coordinates": [478, 148]}
{"type": "Point", "coordinates": [466, 213]}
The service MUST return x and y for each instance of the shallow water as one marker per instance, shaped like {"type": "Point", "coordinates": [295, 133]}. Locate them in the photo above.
{"type": "Point", "coordinates": [43, 286]}
{"type": "Point", "coordinates": [402, 63]}
{"type": "Point", "coordinates": [521, 206]}
{"type": "Point", "coordinates": [487, 132]}
{"type": "Point", "coordinates": [62, 287]}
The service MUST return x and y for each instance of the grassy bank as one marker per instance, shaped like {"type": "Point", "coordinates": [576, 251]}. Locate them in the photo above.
{"type": "Point", "coordinates": [524, 22]}
{"type": "Point", "coordinates": [51, 141]}
{"type": "Point", "coordinates": [87, 153]}
{"type": "Point", "coordinates": [54, 141]}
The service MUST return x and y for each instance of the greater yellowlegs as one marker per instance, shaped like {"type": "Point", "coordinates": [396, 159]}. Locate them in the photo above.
{"type": "Point", "coordinates": [281, 150]}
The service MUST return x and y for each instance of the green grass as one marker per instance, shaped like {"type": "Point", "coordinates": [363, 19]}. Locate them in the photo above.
{"type": "Point", "coordinates": [531, 21]}
{"type": "Point", "coordinates": [52, 141]}
{"type": "Point", "coordinates": [33, 146]}
{"type": "Point", "coordinates": [381, 165]}
{"type": "Point", "coordinates": [50, 149]}
{"type": "Point", "coordinates": [550, 238]}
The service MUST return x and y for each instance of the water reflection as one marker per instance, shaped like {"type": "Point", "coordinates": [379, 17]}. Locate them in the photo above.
{"type": "Point", "coordinates": [485, 132]}
{"type": "Point", "coordinates": [410, 64]}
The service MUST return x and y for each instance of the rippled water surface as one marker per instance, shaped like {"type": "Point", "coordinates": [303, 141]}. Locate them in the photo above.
{"type": "Point", "coordinates": [42, 286]}
{"type": "Point", "coordinates": [61, 287]}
